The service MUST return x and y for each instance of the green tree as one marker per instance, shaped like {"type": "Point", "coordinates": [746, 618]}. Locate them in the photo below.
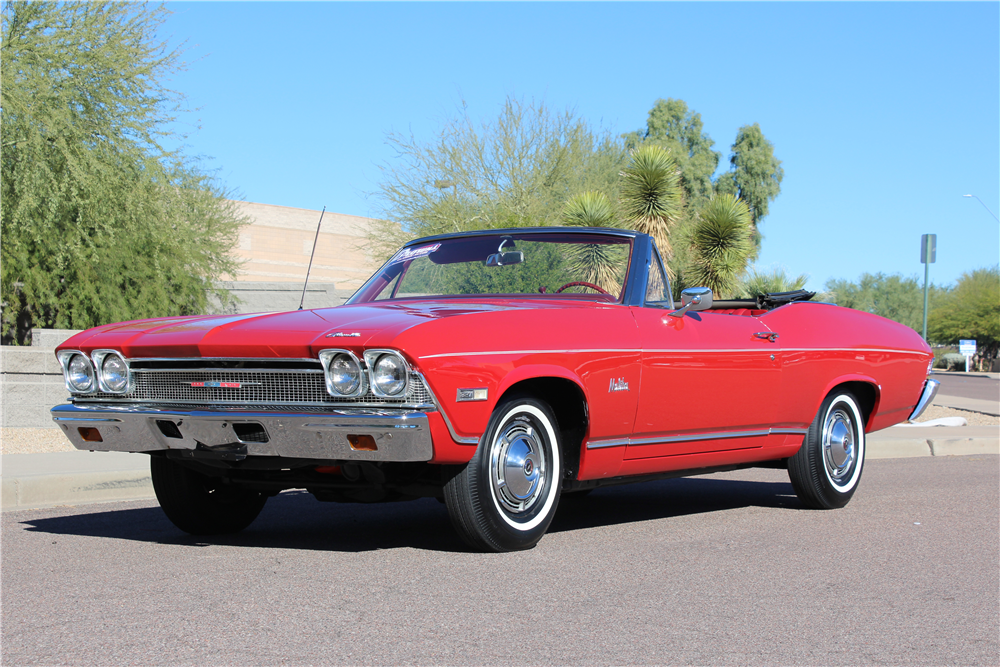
{"type": "Point", "coordinates": [595, 262]}
{"type": "Point", "coordinates": [652, 198]}
{"type": "Point", "coordinates": [99, 222]}
{"type": "Point", "coordinates": [671, 125]}
{"type": "Point", "coordinates": [516, 170]}
{"type": "Point", "coordinates": [970, 311]}
{"type": "Point", "coordinates": [759, 281]}
{"type": "Point", "coordinates": [755, 175]}
{"type": "Point", "coordinates": [721, 245]}
{"type": "Point", "coordinates": [893, 296]}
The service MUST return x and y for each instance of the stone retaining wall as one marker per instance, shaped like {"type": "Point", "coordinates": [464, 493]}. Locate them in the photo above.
{"type": "Point", "coordinates": [31, 383]}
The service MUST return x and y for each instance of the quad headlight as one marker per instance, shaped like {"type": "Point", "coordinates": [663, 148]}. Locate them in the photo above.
{"type": "Point", "coordinates": [104, 370]}
{"type": "Point", "coordinates": [343, 373]}
{"type": "Point", "coordinates": [384, 372]}
{"type": "Point", "coordinates": [112, 371]}
{"type": "Point", "coordinates": [78, 371]}
{"type": "Point", "coordinates": [389, 372]}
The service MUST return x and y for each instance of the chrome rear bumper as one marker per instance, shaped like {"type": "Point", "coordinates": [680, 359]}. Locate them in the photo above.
{"type": "Point", "coordinates": [336, 435]}
{"type": "Point", "coordinates": [926, 396]}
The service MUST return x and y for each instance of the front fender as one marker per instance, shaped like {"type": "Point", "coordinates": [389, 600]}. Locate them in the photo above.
{"type": "Point", "coordinates": [535, 371]}
{"type": "Point", "coordinates": [468, 419]}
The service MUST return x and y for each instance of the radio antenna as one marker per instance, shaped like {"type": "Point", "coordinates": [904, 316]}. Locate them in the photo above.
{"type": "Point", "coordinates": [311, 255]}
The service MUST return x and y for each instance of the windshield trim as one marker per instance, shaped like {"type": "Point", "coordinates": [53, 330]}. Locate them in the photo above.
{"type": "Point", "coordinates": [391, 268]}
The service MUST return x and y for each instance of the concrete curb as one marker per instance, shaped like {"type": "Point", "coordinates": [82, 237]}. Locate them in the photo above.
{"type": "Point", "coordinates": [72, 478]}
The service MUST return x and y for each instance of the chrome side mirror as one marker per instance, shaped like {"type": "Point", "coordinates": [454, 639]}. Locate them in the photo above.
{"type": "Point", "coordinates": [693, 299]}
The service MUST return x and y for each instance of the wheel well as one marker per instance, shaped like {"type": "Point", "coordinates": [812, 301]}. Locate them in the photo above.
{"type": "Point", "coordinates": [866, 395]}
{"type": "Point", "coordinates": [570, 407]}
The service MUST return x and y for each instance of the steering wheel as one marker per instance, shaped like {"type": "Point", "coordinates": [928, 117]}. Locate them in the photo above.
{"type": "Point", "coordinates": [580, 283]}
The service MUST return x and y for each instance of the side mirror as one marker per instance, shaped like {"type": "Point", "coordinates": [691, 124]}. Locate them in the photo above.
{"type": "Point", "coordinates": [505, 258]}
{"type": "Point", "coordinates": [693, 299]}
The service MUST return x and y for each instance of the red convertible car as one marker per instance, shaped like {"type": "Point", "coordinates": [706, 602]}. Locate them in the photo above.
{"type": "Point", "coordinates": [497, 371]}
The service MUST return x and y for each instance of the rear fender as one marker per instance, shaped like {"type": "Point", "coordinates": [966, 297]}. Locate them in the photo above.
{"type": "Point", "coordinates": [868, 403]}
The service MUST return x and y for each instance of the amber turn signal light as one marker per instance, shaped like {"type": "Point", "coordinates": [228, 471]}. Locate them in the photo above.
{"type": "Point", "coordinates": [362, 443]}
{"type": "Point", "coordinates": [90, 434]}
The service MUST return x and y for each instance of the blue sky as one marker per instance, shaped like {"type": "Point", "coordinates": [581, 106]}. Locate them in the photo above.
{"type": "Point", "coordinates": [883, 114]}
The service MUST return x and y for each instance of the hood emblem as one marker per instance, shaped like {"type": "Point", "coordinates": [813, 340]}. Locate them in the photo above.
{"type": "Point", "coordinates": [341, 334]}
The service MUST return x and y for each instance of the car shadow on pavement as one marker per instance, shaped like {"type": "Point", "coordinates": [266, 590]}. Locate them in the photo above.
{"type": "Point", "coordinates": [295, 520]}
{"type": "Point", "coordinates": [669, 498]}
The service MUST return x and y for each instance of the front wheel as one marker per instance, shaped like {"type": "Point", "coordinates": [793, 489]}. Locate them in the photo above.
{"type": "Point", "coordinates": [826, 469]}
{"type": "Point", "coordinates": [505, 497]}
{"type": "Point", "coordinates": [199, 504]}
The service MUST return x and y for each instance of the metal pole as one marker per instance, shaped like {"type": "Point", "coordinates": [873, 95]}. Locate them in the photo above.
{"type": "Point", "coordinates": [984, 206]}
{"type": "Point", "coordinates": [927, 267]}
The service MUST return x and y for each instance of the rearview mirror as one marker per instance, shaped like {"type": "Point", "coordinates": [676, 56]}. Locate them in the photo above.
{"type": "Point", "coordinates": [693, 299]}
{"type": "Point", "coordinates": [505, 258]}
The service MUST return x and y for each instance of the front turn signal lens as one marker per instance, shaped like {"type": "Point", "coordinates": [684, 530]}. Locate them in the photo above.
{"type": "Point", "coordinates": [90, 434]}
{"type": "Point", "coordinates": [362, 443]}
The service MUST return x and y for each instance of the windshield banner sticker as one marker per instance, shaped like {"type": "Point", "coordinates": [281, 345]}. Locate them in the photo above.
{"type": "Point", "coordinates": [412, 253]}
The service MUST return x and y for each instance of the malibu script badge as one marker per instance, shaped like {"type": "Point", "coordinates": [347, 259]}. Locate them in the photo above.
{"type": "Point", "coordinates": [617, 385]}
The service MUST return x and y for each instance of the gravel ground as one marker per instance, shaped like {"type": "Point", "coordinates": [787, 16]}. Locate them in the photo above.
{"type": "Point", "coordinates": [974, 418]}
{"type": "Point", "coordinates": [33, 441]}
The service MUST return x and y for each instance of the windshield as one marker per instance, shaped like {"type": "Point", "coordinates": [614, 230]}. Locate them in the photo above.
{"type": "Point", "coordinates": [570, 264]}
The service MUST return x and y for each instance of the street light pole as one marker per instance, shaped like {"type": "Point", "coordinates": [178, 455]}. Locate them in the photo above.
{"type": "Point", "coordinates": [928, 255]}
{"type": "Point", "coordinates": [984, 206]}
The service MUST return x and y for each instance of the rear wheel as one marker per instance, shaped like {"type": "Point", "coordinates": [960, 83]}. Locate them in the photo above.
{"type": "Point", "coordinates": [827, 468]}
{"type": "Point", "coordinates": [505, 497]}
{"type": "Point", "coordinates": [199, 504]}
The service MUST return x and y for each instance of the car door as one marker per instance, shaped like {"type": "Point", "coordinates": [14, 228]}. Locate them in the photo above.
{"type": "Point", "coordinates": [709, 380]}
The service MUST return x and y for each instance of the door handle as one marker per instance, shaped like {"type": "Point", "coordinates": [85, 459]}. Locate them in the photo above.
{"type": "Point", "coordinates": [766, 335]}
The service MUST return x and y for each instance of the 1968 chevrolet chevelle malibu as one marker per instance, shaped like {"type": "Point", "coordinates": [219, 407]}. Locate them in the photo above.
{"type": "Point", "coordinates": [496, 371]}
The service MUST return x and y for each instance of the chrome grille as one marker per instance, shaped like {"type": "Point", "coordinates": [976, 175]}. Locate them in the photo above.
{"type": "Point", "coordinates": [277, 387]}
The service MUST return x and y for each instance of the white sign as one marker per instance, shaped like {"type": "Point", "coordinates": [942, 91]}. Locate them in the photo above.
{"type": "Point", "coordinates": [967, 347]}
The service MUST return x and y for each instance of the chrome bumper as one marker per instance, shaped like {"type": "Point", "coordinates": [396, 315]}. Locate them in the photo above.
{"type": "Point", "coordinates": [926, 396]}
{"type": "Point", "coordinates": [396, 436]}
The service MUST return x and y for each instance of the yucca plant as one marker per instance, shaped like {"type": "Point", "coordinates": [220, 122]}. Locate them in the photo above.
{"type": "Point", "coordinates": [759, 281]}
{"type": "Point", "coordinates": [594, 262]}
{"type": "Point", "coordinates": [721, 244]}
{"type": "Point", "coordinates": [651, 198]}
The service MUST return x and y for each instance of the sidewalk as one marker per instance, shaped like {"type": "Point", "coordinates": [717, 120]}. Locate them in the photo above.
{"type": "Point", "coordinates": [81, 477]}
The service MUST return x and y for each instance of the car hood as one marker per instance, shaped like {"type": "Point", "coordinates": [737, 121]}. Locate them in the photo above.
{"type": "Point", "coordinates": [296, 334]}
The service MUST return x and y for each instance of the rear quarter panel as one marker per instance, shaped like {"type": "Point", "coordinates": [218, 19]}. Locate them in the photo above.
{"type": "Point", "coordinates": [823, 346]}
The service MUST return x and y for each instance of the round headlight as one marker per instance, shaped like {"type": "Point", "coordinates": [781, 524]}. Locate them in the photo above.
{"type": "Point", "coordinates": [114, 373]}
{"type": "Point", "coordinates": [345, 374]}
{"type": "Point", "coordinates": [390, 375]}
{"type": "Point", "coordinates": [80, 373]}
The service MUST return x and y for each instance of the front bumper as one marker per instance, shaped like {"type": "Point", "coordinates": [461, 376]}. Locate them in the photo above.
{"type": "Point", "coordinates": [926, 396]}
{"type": "Point", "coordinates": [395, 435]}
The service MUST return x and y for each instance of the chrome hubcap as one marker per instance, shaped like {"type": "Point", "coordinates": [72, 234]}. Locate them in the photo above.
{"type": "Point", "coordinates": [517, 467]}
{"type": "Point", "coordinates": [839, 447]}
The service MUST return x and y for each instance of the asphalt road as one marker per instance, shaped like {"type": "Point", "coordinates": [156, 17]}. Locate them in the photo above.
{"type": "Point", "coordinates": [718, 570]}
{"type": "Point", "coordinates": [981, 387]}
